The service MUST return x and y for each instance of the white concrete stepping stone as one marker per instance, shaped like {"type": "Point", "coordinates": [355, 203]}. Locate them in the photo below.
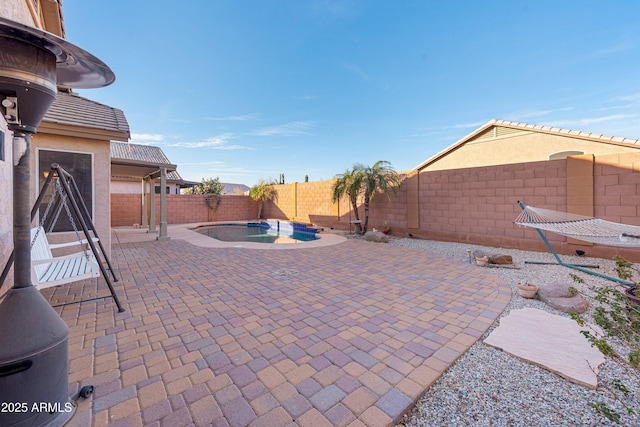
{"type": "Point", "coordinates": [550, 341]}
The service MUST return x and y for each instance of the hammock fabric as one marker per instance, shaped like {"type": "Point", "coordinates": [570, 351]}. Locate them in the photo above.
{"type": "Point", "coordinates": [580, 227]}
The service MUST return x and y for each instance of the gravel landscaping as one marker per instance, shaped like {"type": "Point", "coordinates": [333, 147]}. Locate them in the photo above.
{"type": "Point", "coordinates": [488, 387]}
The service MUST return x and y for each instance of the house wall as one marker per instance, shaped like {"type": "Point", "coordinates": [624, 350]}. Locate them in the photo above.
{"type": "Point", "coordinates": [135, 187]}
{"type": "Point", "coordinates": [101, 174]}
{"type": "Point", "coordinates": [488, 148]}
{"type": "Point", "coordinates": [19, 11]}
{"type": "Point", "coordinates": [126, 209]}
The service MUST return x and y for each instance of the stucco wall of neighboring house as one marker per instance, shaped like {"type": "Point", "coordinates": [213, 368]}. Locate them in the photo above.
{"type": "Point", "coordinates": [498, 146]}
{"type": "Point", "coordinates": [135, 187]}
{"type": "Point", "coordinates": [101, 174]}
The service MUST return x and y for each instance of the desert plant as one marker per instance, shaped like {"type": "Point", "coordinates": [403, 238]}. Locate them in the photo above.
{"type": "Point", "coordinates": [368, 181]}
{"type": "Point", "coordinates": [619, 318]}
{"type": "Point", "coordinates": [348, 184]}
{"type": "Point", "coordinates": [208, 186]}
{"type": "Point", "coordinates": [262, 192]}
{"type": "Point", "coordinates": [376, 179]}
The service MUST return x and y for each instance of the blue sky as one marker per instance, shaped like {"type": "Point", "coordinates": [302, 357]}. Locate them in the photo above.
{"type": "Point", "coordinates": [243, 90]}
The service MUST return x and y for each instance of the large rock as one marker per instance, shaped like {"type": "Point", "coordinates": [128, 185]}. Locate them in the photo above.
{"type": "Point", "coordinates": [551, 341]}
{"type": "Point", "coordinates": [557, 295]}
{"type": "Point", "coordinates": [494, 258]}
{"type": "Point", "coordinates": [501, 259]}
{"type": "Point", "coordinates": [376, 236]}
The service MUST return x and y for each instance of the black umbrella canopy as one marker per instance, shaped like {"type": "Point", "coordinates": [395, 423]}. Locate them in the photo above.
{"type": "Point", "coordinates": [33, 63]}
{"type": "Point", "coordinates": [75, 67]}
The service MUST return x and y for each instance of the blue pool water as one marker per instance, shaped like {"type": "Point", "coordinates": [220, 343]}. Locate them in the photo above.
{"type": "Point", "coordinates": [264, 232]}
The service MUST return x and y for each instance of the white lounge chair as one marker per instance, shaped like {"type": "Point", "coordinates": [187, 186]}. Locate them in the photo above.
{"type": "Point", "coordinates": [47, 270]}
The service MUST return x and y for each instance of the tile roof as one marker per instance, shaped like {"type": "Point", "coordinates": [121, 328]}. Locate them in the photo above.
{"type": "Point", "coordinates": [529, 127]}
{"type": "Point", "coordinates": [560, 131]}
{"type": "Point", "coordinates": [138, 152]}
{"type": "Point", "coordinates": [144, 154]}
{"type": "Point", "coordinates": [72, 109]}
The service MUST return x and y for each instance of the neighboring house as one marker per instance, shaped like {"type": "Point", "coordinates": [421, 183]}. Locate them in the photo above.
{"type": "Point", "coordinates": [235, 189]}
{"type": "Point", "coordinates": [126, 159]}
{"type": "Point", "coordinates": [228, 189]}
{"type": "Point", "coordinates": [502, 142]}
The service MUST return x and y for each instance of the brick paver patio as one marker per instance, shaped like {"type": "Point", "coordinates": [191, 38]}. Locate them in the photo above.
{"type": "Point", "coordinates": [343, 335]}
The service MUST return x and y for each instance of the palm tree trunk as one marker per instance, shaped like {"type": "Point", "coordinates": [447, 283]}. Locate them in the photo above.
{"type": "Point", "coordinates": [367, 198]}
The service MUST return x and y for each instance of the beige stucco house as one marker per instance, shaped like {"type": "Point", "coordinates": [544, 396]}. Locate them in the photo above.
{"type": "Point", "coordinates": [501, 142]}
{"type": "Point", "coordinates": [76, 133]}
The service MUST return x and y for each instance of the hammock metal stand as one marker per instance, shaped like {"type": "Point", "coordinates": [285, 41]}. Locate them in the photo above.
{"type": "Point", "coordinates": [579, 267]}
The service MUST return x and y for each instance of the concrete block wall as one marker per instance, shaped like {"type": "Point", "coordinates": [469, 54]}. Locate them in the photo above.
{"type": "Point", "coordinates": [126, 209]}
{"type": "Point", "coordinates": [472, 205]}
{"type": "Point", "coordinates": [314, 201]}
{"type": "Point", "coordinates": [391, 208]}
{"type": "Point", "coordinates": [283, 207]}
{"type": "Point", "coordinates": [617, 188]}
{"type": "Point", "coordinates": [184, 209]}
{"type": "Point", "coordinates": [478, 205]}
{"type": "Point", "coordinates": [617, 196]}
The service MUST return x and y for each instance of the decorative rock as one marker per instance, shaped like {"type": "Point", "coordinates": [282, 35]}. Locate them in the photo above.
{"type": "Point", "coordinates": [501, 259]}
{"type": "Point", "coordinates": [482, 261]}
{"type": "Point", "coordinates": [494, 258]}
{"type": "Point", "coordinates": [551, 341]}
{"type": "Point", "coordinates": [557, 295]}
{"type": "Point", "coordinates": [376, 236]}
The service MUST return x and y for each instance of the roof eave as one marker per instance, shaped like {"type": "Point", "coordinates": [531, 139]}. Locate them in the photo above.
{"type": "Point", "coordinates": [64, 129]}
{"type": "Point", "coordinates": [126, 162]}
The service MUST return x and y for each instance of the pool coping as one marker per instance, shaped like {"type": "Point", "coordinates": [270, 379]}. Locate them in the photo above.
{"type": "Point", "coordinates": [186, 232]}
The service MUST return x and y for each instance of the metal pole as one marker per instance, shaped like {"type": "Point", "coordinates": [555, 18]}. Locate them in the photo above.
{"type": "Point", "coordinates": [78, 197]}
{"type": "Point", "coordinates": [163, 205]}
{"type": "Point", "coordinates": [21, 210]}
{"type": "Point", "coordinates": [65, 185]}
{"type": "Point", "coordinates": [542, 236]}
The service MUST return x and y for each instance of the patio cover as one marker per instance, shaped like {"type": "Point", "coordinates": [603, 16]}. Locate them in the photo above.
{"type": "Point", "coordinates": [146, 163]}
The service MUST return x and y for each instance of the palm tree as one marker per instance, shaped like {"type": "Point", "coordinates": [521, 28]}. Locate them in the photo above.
{"type": "Point", "coordinates": [349, 184]}
{"type": "Point", "coordinates": [262, 192]}
{"type": "Point", "coordinates": [379, 178]}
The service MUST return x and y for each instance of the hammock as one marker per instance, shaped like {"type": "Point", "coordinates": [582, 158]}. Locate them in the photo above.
{"type": "Point", "coordinates": [588, 229]}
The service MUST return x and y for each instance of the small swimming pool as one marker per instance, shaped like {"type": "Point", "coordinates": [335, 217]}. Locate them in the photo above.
{"type": "Point", "coordinates": [279, 232]}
